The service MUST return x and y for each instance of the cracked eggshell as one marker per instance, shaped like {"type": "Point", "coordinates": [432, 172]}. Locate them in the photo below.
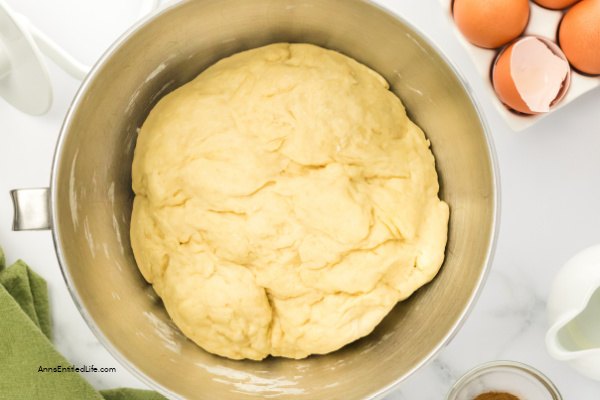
{"type": "Point", "coordinates": [504, 84]}
{"type": "Point", "coordinates": [531, 75]}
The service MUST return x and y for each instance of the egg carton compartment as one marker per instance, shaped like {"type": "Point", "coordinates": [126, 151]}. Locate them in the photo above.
{"type": "Point", "coordinates": [542, 23]}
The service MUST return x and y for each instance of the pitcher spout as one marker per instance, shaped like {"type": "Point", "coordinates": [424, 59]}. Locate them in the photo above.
{"type": "Point", "coordinates": [558, 342]}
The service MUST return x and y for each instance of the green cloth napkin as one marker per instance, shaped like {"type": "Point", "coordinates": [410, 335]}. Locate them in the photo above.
{"type": "Point", "coordinates": [25, 346]}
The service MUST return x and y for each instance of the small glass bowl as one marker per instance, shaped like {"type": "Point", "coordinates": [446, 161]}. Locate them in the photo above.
{"type": "Point", "coordinates": [512, 377]}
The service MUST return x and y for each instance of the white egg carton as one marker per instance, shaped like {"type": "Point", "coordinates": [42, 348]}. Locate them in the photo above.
{"type": "Point", "coordinates": [542, 22]}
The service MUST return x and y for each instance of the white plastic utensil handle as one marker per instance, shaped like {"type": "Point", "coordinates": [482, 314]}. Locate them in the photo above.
{"type": "Point", "coordinates": [57, 54]}
{"type": "Point", "coordinates": [25, 80]}
{"type": "Point", "coordinates": [54, 52]}
{"type": "Point", "coordinates": [4, 63]}
{"type": "Point", "coordinates": [150, 6]}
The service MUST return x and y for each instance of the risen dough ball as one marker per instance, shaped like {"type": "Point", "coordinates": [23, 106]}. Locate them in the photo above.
{"type": "Point", "coordinates": [284, 203]}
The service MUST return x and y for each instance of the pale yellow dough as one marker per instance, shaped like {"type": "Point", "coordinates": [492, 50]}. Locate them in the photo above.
{"type": "Point", "coordinates": [284, 203]}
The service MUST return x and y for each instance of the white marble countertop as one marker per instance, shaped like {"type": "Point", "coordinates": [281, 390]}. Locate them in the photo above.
{"type": "Point", "coordinates": [550, 206]}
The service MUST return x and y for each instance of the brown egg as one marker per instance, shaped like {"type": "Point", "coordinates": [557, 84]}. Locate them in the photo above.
{"type": "Point", "coordinates": [531, 75]}
{"type": "Point", "coordinates": [556, 4]}
{"type": "Point", "coordinates": [579, 36]}
{"type": "Point", "coordinates": [491, 23]}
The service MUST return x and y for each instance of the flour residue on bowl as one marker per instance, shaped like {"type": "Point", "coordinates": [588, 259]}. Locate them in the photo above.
{"type": "Point", "coordinates": [248, 383]}
{"type": "Point", "coordinates": [165, 332]}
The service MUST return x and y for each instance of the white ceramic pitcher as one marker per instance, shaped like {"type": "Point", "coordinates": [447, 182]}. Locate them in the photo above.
{"type": "Point", "coordinates": [574, 313]}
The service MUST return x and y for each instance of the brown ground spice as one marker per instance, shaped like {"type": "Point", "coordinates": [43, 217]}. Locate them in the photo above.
{"type": "Point", "coordinates": [496, 396]}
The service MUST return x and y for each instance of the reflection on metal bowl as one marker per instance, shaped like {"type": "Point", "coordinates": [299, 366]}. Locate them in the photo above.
{"type": "Point", "coordinates": [91, 195]}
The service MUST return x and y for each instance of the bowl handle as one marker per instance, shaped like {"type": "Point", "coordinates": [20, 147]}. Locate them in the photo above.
{"type": "Point", "coordinates": [32, 209]}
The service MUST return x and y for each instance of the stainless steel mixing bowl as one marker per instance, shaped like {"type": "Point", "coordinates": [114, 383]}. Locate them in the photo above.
{"type": "Point", "coordinates": [90, 197]}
